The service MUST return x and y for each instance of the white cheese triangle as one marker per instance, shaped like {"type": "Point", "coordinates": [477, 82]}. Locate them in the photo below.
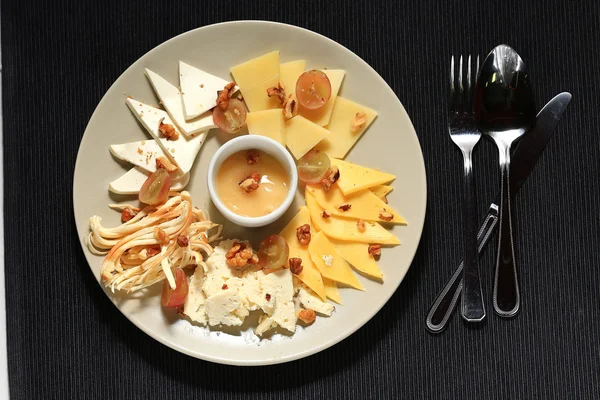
{"type": "Point", "coordinates": [182, 151]}
{"type": "Point", "coordinates": [131, 182]}
{"type": "Point", "coordinates": [170, 96]}
{"type": "Point", "coordinates": [198, 90]}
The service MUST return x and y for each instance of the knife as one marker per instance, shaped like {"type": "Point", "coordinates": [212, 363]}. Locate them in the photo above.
{"type": "Point", "coordinates": [527, 153]}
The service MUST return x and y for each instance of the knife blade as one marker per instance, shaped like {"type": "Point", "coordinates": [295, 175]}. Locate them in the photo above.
{"type": "Point", "coordinates": [526, 155]}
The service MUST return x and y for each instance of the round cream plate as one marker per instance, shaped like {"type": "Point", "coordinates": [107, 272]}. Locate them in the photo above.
{"type": "Point", "coordinates": [390, 144]}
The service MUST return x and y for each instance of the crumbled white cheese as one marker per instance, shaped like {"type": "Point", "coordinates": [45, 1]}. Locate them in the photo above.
{"type": "Point", "coordinates": [265, 323]}
{"type": "Point", "coordinates": [223, 309]}
{"type": "Point", "coordinates": [194, 302]}
{"type": "Point", "coordinates": [309, 300]}
{"type": "Point", "coordinates": [328, 259]}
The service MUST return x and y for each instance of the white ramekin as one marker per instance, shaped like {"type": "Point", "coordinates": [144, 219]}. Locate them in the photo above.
{"type": "Point", "coordinates": [256, 142]}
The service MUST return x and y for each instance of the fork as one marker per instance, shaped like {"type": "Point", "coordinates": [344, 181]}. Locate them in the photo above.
{"type": "Point", "coordinates": [464, 133]}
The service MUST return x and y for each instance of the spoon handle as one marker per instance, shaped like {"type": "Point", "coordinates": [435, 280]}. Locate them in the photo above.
{"type": "Point", "coordinates": [507, 296]}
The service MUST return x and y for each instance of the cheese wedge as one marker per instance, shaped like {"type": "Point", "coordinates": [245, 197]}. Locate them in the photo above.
{"type": "Point", "coordinates": [182, 151]}
{"type": "Point", "coordinates": [342, 139]}
{"type": "Point", "coordinates": [131, 182]}
{"type": "Point", "coordinates": [310, 275]}
{"type": "Point", "coordinates": [170, 97]}
{"type": "Point", "coordinates": [329, 261]}
{"type": "Point", "coordinates": [346, 229]}
{"type": "Point", "coordinates": [289, 73]}
{"type": "Point", "coordinates": [322, 115]}
{"type": "Point", "coordinates": [363, 204]}
{"type": "Point", "coordinates": [332, 291]}
{"type": "Point", "coordinates": [254, 77]}
{"type": "Point", "coordinates": [301, 135]}
{"type": "Point", "coordinates": [269, 123]}
{"type": "Point", "coordinates": [198, 90]}
{"type": "Point", "coordinates": [357, 255]}
{"type": "Point", "coordinates": [354, 177]}
{"type": "Point", "coordinates": [381, 191]}
{"type": "Point", "coordinates": [142, 154]}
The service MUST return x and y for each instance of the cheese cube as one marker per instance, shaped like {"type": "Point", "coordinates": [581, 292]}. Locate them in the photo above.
{"type": "Point", "coordinates": [329, 261]}
{"type": "Point", "coordinates": [357, 255]}
{"type": "Point", "coordinates": [301, 135]}
{"type": "Point", "coordinates": [269, 123]}
{"type": "Point", "coordinates": [354, 177]}
{"type": "Point", "coordinates": [289, 73]}
{"type": "Point", "coordinates": [254, 77]}
{"type": "Point", "coordinates": [342, 139]}
{"type": "Point", "coordinates": [321, 115]}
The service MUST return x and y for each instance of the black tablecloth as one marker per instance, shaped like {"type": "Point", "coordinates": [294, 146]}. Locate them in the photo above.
{"type": "Point", "coordinates": [66, 339]}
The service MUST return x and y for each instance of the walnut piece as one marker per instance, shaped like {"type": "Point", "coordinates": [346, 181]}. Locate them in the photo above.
{"type": "Point", "coordinates": [277, 91]}
{"type": "Point", "coordinates": [325, 214]}
{"type": "Point", "coordinates": [345, 207]}
{"type": "Point", "coordinates": [240, 255]}
{"type": "Point", "coordinates": [307, 315]}
{"type": "Point", "coordinates": [252, 157]}
{"type": "Point", "coordinates": [303, 234]}
{"type": "Point", "coordinates": [375, 250]}
{"type": "Point", "coordinates": [164, 163]}
{"type": "Point", "coordinates": [330, 178]}
{"type": "Point", "coordinates": [359, 121]}
{"type": "Point", "coordinates": [296, 265]}
{"type": "Point", "coordinates": [168, 130]}
{"type": "Point", "coordinates": [224, 95]}
{"type": "Point", "coordinates": [361, 225]}
{"type": "Point", "coordinates": [290, 109]}
{"type": "Point", "coordinates": [183, 241]}
{"type": "Point", "coordinates": [385, 215]}
{"type": "Point", "coordinates": [128, 213]}
{"type": "Point", "coordinates": [161, 236]}
{"type": "Point", "coordinates": [251, 182]}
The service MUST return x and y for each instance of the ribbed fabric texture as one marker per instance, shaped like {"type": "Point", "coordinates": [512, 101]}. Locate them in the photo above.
{"type": "Point", "coordinates": [67, 341]}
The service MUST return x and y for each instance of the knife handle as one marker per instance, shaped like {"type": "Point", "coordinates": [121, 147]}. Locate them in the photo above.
{"type": "Point", "coordinates": [507, 296]}
{"type": "Point", "coordinates": [440, 312]}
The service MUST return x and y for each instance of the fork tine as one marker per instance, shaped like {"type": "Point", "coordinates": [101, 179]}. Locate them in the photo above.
{"type": "Point", "coordinates": [469, 91]}
{"type": "Point", "coordinates": [451, 99]}
{"type": "Point", "coordinates": [460, 85]}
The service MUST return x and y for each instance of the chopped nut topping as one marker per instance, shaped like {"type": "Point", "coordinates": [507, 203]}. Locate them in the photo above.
{"type": "Point", "coordinates": [327, 259]}
{"type": "Point", "coordinates": [303, 234]}
{"type": "Point", "coordinates": [251, 182]}
{"type": "Point", "coordinates": [240, 255]}
{"type": "Point", "coordinates": [168, 130]}
{"type": "Point", "coordinates": [375, 250]}
{"type": "Point", "coordinates": [224, 287]}
{"type": "Point", "coordinates": [224, 95]}
{"type": "Point", "coordinates": [277, 91]}
{"type": "Point", "coordinates": [183, 241]}
{"type": "Point", "coordinates": [325, 214]}
{"type": "Point", "coordinates": [290, 110]}
{"type": "Point", "coordinates": [359, 121]}
{"type": "Point", "coordinates": [151, 251]}
{"type": "Point", "coordinates": [252, 157]}
{"type": "Point", "coordinates": [161, 236]}
{"type": "Point", "coordinates": [296, 265]}
{"type": "Point", "coordinates": [140, 151]}
{"type": "Point", "coordinates": [345, 207]}
{"type": "Point", "coordinates": [307, 315]}
{"type": "Point", "coordinates": [128, 213]}
{"type": "Point", "coordinates": [164, 163]}
{"type": "Point", "coordinates": [330, 178]}
{"type": "Point", "coordinates": [268, 297]}
{"type": "Point", "coordinates": [361, 225]}
{"type": "Point", "coordinates": [385, 215]}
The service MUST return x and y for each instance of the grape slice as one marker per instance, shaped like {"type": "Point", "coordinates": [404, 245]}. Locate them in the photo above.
{"type": "Point", "coordinates": [313, 166]}
{"type": "Point", "coordinates": [313, 89]}
{"type": "Point", "coordinates": [273, 252]}
{"type": "Point", "coordinates": [175, 298]}
{"type": "Point", "coordinates": [155, 189]}
{"type": "Point", "coordinates": [233, 118]}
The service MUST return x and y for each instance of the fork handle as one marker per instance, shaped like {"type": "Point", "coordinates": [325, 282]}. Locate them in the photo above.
{"type": "Point", "coordinates": [472, 307]}
{"type": "Point", "coordinates": [507, 296]}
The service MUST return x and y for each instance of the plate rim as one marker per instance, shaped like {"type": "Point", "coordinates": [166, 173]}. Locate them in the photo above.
{"type": "Point", "coordinates": [297, 355]}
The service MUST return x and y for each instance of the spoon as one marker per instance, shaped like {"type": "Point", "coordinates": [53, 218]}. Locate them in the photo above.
{"type": "Point", "coordinates": [505, 109]}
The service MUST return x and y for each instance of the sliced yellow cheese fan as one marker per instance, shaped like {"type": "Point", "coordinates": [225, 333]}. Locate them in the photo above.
{"type": "Point", "coordinates": [254, 77]}
{"type": "Point", "coordinates": [354, 177]}
{"type": "Point", "coordinates": [332, 291]}
{"type": "Point", "coordinates": [357, 255]}
{"type": "Point", "coordinates": [310, 275]}
{"type": "Point", "coordinates": [289, 73]}
{"type": "Point", "coordinates": [363, 204]}
{"type": "Point", "coordinates": [269, 123]}
{"type": "Point", "coordinates": [301, 135]}
{"type": "Point", "coordinates": [381, 191]}
{"type": "Point", "coordinates": [347, 229]}
{"type": "Point", "coordinates": [329, 261]}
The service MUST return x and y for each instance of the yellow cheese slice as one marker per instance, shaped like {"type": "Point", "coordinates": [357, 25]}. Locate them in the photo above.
{"type": "Point", "coordinates": [346, 229]}
{"type": "Point", "coordinates": [301, 135]}
{"type": "Point", "coordinates": [289, 73]}
{"type": "Point", "coordinates": [269, 123]}
{"type": "Point", "coordinates": [381, 191]}
{"type": "Point", "coordinates": [354, 177]}
{"type": "Point", "coordinates": [363, 204]}
{"type": "Point", "coordinates": [310, 275]}
{"type": "Point", "coordinates": [331, 264]}
{"type": "Point", "coordinates": [322, 115]}
{"type": "Point", "coordinates": [332, 291]}
{"type": "Point", "coordinates": [357, 255]}
{"type": "Point", "coordinates": [254, 77]}
{"type": "Point", "coordinates": [342, 139]}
